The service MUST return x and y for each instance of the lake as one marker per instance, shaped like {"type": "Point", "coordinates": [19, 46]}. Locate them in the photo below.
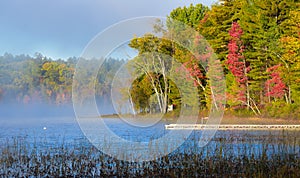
{"type": "Point", "coordinates": [51, 132]}
{"type": "Point", "coordinates": [56, 147]}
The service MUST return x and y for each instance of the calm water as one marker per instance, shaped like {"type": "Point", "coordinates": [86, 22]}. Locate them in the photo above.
{"type": "Point", "coordinates": [45, 133]}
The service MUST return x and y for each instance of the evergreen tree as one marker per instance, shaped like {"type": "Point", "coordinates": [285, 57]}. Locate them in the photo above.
{"type": "Point", "coordinates": [262, 23]}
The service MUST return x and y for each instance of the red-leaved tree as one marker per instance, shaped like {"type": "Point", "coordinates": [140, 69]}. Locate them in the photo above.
{"type": "Point", "coordinates": [206, 72]}
{"type": "Point", "coordinates": [274, 86]}
{"type": "Point", "coordinates": [237, 63]}
{"type": "Point", "coordinates": [196, 64]}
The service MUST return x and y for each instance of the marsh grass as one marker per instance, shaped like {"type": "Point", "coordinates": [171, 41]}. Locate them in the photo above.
{"type": "Point", "coordinates": [274, 156]}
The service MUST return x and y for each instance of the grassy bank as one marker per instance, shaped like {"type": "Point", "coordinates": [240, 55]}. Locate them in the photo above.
{"type": "Point", "coordinates": [227, 119]}
{"type": "Point", "coordinates": [257, 120]}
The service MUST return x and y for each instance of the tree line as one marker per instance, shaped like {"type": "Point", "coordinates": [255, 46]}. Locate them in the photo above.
{"type": "Point", "coordinates": [35, 79]}
{"type": "Point", "coordinates": [257, 43]}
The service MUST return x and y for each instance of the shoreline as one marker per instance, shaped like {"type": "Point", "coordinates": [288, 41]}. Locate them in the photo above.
{"type": "Point", "coordinates": [228, 120]}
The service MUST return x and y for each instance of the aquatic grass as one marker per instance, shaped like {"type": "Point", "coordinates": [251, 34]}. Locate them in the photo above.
{"type": "Point", "coordinates": [275, 156]}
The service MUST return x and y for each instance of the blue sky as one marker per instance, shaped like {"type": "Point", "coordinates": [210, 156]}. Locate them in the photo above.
{"type": "Point", "coordinates": [62, 28]}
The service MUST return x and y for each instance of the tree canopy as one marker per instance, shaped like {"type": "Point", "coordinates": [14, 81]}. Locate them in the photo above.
{"type": "Point", "coordinates": [257, 43]}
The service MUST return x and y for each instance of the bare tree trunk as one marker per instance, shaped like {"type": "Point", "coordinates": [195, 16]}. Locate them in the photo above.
{"type": "Point", "coordinates": [290, 100]}
{"type": "Point", "coordinates": [247, 85]}
{"type": "Point", "coordinates": [286, 98]}
{"type": "Point", "coordinates": [254, 109]}
{"type": "Point", "coordinates": [152, 81]}
{"type": "Point", "coordinates": [214, 99]}
{"type": "Point", "coordinates": [165, 93]}
{"type": "Point", "coordinates": [156, 92]}
{"type": "Point", "coordinates": [132, 105]}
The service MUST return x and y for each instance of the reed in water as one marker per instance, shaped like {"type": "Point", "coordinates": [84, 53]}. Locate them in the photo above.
{"type": "Point", "coordinates": [276, 157]}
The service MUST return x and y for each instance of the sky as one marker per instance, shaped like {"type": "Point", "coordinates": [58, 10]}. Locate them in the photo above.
{"type": "Point", "coordinates": [62, 28]}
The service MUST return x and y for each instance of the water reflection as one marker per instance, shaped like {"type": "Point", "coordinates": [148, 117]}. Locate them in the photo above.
{"type": "Point", "coordinates": [66, 132]}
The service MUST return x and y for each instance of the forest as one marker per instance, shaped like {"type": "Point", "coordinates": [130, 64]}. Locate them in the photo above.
{"type": "Point", "coordinates": [31, 80]}
{"type": "Point", "coordinates": [258, 45]}
{"type": "Point", "coordinates": [257, 42]}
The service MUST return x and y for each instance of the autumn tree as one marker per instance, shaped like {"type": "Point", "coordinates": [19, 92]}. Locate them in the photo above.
{"type": "Point", "coordinates": [262, 22]}
{"type": "Point", "coordinates": [217, 22]}
{"type": "Point", "coordinates": [238, 65]}
{"type": "Point", "coordinates": [57, 80]}
{"type": "Point", "coordinates": [290, 55]}
{"type": "Point", "coordinates": [183, 25]}
{"type": "Point", "coordinates": [141, 91]}
{"type": "Point", "coordinates": [275, 86]}
{"type": "Point", "coordinates": [154, 61]}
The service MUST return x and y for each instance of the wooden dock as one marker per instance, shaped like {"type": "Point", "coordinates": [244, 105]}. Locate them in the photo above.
{"type": "Point", "coordinates": [229, 127]}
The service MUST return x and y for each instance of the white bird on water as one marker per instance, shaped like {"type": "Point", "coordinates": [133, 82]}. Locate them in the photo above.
{"type": "Point", "coordinates": [45, 128]}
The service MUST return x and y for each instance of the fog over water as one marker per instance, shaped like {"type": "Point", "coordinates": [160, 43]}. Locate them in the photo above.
{"type": "Point", "coordinates": [44, 110]}
{"type": "Point", "coordinates": [46, 126]}
{"type": "Point", "coordinates": [42, 125]}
